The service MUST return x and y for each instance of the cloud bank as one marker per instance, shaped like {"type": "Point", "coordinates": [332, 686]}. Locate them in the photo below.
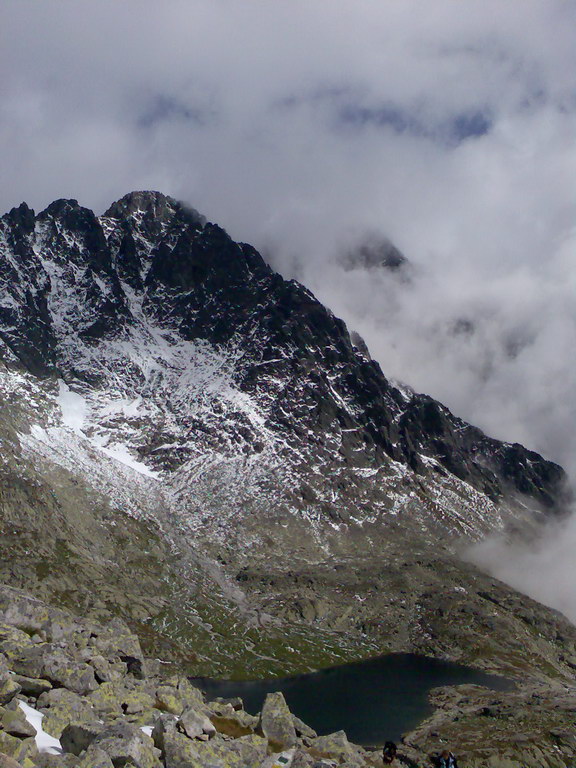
{"type": "Point", "coordinates": [301, 126]}
{"type": "Point", "coordinates": [542, 568]}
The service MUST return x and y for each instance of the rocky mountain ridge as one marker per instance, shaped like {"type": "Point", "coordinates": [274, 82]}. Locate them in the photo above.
{"type": "Point", "coordinates": [117, 304]}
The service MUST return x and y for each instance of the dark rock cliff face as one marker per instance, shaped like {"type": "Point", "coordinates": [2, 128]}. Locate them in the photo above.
{"type": "Point", "coordinates": [294, 355]}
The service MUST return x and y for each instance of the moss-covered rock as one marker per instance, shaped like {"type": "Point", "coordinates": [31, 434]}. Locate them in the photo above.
{"type": "Point", "coordinates": [276, 722]}
{"type": "Point", "coordinates": [8, 689]}
{"type": "Point", "coordinates": [127, 745]}
{"type": "Point", "coordinates": [8, 762]}
{"type": "Point", "coordinates": [19, 749]}
{"type": "Point", "coordinates": [77, 736]}
{"type": "Point", "coordinates": [117, 640]}
{"type": "Point", "coordinates": [95, 758]}
{"type": "Point", "coordinates": [195, 724]}
{"type": "Point", "coordinates": [218, 754]}
{"type": "Point", "coordinates": [15, 723]}
{"type": "Point", "coordinates": [336, 746]}
{"type": "Point", "coordinates": [107, 670]}
{"type": "Point", "coordinates": [65, 707]}
{"type": "Point", "coordinates": [32, 686]}
{"type": "Point", "coordinates": [231, 722]}
{"type": "Point", "coordinates": [176, 694]}
{"type": "Point", "coordinates": [62, 669]}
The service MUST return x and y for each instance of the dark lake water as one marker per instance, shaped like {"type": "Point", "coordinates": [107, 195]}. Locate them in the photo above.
{"type": "Point", "coordinates": [373, 701]}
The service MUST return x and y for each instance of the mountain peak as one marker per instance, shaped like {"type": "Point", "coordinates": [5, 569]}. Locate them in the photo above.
{"type": "Point", "coordinates": [375, 252]}
{"type": "Point", "coordinates": [151, 205]}
{"type": "Point", "coordinates": [111, 300]}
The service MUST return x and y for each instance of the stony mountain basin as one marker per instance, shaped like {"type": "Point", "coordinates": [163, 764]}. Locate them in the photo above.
{"type": "Point", "coordinates": [374, 701]}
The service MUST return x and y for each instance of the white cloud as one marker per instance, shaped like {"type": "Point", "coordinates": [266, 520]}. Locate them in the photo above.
{"type": "Point", "coordinates": [542, 568]}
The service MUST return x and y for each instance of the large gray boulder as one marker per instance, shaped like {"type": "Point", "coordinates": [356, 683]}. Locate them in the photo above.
{"type": "Point", "coordinates": [77, 736]}
{"type": "Point", "coordinates": [8, 762]}
{"type": "Point", "coordinates": [176, 694]}
{"type": "Point", "coordinates": [14, 722]}
{"type": "Point", "coordinates": [337, 747]}
{"type": "Point", "coordinates": [276, 722]}
{"type": "Point", "coordinates": [116, 640]}
{"type": "Point", "coordinates": [61, 668]}
{"type": "Point", "coordinates": [177, 750]}
{"type": "Point", "coordinates": [8, 686]}
{"type": "Point", "coordinates": [221, 754]}
{"type": "Point", "coordinates": [195, 724]}
{"type": "Point", "coordinates": [232, 722]}
{"type": "Point", "coordinates": [57, 665]}
{"type": "Point", "coordinates": [17, 748]}
{"type": "Point", "coordinates": [106, 670]}
{"type": "Point", "coordinates": [126, 744]}
{"type": "Point", "coordinates": [64, 707]}
{"type": "Point", "coordinates": [164, 724]}
{"type": "Point", "coordinates": [8, 689]}
{"type": "Point", "coordinates": [32, 686]}
{"type": "Point", "coordinates": [95, 758]}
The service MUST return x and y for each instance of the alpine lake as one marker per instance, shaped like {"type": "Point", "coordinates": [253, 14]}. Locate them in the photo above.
{"type": "Point", "coordinates": [374, 701]}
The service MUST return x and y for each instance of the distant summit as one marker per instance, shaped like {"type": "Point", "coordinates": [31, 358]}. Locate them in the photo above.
{"type": "Point", "coordinates": [375, 252]}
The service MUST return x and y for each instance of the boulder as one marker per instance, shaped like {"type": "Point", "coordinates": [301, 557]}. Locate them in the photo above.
{"type": "Point", "coordinates": [46, 760]}
{"type": "Point", "coordinates": [14, 722]}
{"type": "Point", "coordinates": [8, 689]}
{"type": "Point", "coordinates": [107, 671]}
{"type": "Point", "coordinates": [276, 723]}
{"type": "Point", "coordinates": [32, 686]}
{"type": "Point", "coordinates": [12, 638]}
{"type": "Point", "coordinates": [49, 662]}
{"type": "Point", "coordinates": [302, 759]}
{"type": "Point", "coordinates": [177, 750]}
{"type": "Point", "coordinates": [19, 749]}
{"type": "Point", "coordinates": [165, 724]}
{"type": "Point", "coordinates": [302, 729]}
{"type": "Point", "coordinates": [23, 611]}
{"type": "Point", "coordinates": [195, 724]}
{"type": "Point", "coordinates": [95, 758]}
{"type": "Point", "coordinates": [252, 749]}
{"type": "Point", "coordinates": [176, 694]}
{"type": "Point", "coordinates": [236, 702]}
{"type": "Point", "coordinates": [4, 669]}
{"type": "Point", "coordinates": [77, 736]}
{"type": "Point", "coordinates": [64, 707]}
{"type": "Point", "coordinates": [127, 745]}
{"type": "Point", "coordinates": [28, 660]}
{"type": "Point", "coordinates": [108, 698]}
{"type": "Point", "coordinates": [117, 641]}
{"type": "Point", "coordinates": [59, 667]}
{"type": "Point", "coordinates": [8, 762]}
{"type": "Point", "coordinates": [137, 701]}
{"type": "Point", "coordinates": [220, 754]}
{"type": "Point", "coordinates": [232, 722]}
{"type": "Point", "coordinates": [336, 746]}
{"type": "Point", "coordinates": [284, 759]}
{"type": "Point", "coordinates": [127, 697]}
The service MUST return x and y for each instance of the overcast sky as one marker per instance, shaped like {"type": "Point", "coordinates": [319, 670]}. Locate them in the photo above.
{"type": "Point", "coordinates": [303, 126]}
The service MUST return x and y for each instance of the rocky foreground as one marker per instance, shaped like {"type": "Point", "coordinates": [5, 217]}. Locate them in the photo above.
{"type": "Point", "coordinates": [81, 694]}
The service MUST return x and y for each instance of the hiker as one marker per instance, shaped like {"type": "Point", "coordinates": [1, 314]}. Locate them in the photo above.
{"type": "Point", "coordinates": [447, 760]}
{"type": "Point", "coordinates": [389, 753]}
